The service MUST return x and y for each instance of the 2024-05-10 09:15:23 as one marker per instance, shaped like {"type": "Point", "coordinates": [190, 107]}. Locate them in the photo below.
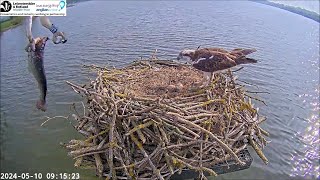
{"type": "Point", "coordinates": [57, 176]}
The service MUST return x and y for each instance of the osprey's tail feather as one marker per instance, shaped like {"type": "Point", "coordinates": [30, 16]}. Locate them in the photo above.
{"type": "Point", "coordinates": [245, 60]}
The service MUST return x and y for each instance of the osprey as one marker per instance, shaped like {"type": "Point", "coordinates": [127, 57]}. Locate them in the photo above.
{"type": "Point", "coordinates": [210, 60]}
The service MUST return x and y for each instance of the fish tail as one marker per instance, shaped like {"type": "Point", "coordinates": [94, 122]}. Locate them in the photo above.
{"type": "Point", "coordinates": [245, 60]}
{"type": "Point", "coordinates": [41, 104]}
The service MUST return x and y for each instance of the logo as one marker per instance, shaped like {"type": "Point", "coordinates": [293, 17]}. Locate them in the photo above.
{"type": "Point", "coordinates": [6, 6]}
{"type": "Point", "coordinates": [33, 7]}
{"type": "Point", "coordinates": [62, 4]}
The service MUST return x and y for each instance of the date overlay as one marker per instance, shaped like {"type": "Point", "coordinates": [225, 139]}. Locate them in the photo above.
{"type": "Point", "coordinates": [57, 176]}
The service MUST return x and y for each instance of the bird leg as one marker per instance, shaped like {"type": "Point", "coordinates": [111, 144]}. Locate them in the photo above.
{"type": "Point", "coordinates": [212, 76]}
{"type": "Point", "coordinates": [206, 79]}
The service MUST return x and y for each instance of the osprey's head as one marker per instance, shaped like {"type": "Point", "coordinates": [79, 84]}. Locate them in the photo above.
{"type": "Point", "coordinates": [187, 53]}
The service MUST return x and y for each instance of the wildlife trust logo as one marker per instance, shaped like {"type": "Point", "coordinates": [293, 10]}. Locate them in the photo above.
{"type": "Point", "coordinates": [33, 7]}
{"type": "Point", "coordinates": [6, 6]}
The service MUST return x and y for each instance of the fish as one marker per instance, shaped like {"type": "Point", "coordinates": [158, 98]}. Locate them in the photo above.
{"type": "Point", "coordinates": [36, 67]}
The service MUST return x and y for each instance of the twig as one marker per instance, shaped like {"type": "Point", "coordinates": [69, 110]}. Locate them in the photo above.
{"type": "Point", "coordinates": [48, 119]}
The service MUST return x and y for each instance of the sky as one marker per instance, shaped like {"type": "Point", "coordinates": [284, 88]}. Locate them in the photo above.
{"type": "Point", "coordinates": [311, 5]}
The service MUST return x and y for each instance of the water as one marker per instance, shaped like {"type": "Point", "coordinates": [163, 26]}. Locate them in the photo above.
{"type": "Point", "coordinates": [116, 33]}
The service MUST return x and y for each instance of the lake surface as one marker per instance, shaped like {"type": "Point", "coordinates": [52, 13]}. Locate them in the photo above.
{"type": "Point", "coordinates": [116, 33]}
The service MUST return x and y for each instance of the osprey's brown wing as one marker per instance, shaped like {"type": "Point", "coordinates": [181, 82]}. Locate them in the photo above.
{"type": "Point", "coordinates": [242, 52]}
{"type": "Point", "coordinates": [220, 50]}
{"type": "Point", "coordinates": [216, 50]}
{"type": "Point", "coordinates": [237, 49]}
{"type": "Point", "coordinates": [216, 62]}
{"type": "Point", "coordinates": [201, 53]}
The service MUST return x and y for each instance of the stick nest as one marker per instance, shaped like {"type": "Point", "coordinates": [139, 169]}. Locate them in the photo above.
{"type": "Point", "coordinates": [150, 120]}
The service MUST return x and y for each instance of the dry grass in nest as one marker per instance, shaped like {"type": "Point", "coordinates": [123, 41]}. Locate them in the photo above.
{"type": "Point", "coordinates": [168, 81]}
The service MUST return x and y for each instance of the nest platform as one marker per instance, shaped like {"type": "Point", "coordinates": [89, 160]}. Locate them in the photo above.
{"type": "Point", "coordinates": [150, 120]}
